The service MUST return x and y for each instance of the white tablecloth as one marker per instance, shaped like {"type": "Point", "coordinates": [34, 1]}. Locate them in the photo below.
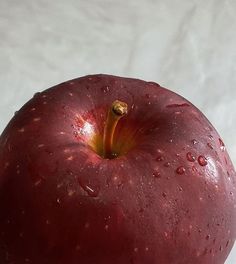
{"type": "Point", "coordinates": [188, 46]}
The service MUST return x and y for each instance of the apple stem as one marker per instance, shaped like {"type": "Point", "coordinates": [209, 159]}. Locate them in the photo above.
{"type": "Point", "coordinates": [117, 110]}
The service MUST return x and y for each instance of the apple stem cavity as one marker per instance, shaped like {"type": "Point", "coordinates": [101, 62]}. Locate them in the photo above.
{"type": "Point", "coordinates": [117, 110]}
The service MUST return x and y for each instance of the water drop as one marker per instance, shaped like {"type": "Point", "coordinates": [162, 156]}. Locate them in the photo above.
{"type": "Point", "coordinates": [135, 249]}
{"type": "Point", "coordinates": [37, 94]}
{"type": "Point", "coordinates": [105, 89]}
{"type": "Point", "coordinates": [211, 137]}
{"type": "Point", "coordinates": [194, 141]}
{"type": "Point", "coordinates": [156, 174]}
{"type": "Point", "coordinates": [92, 192]}
{"type": "Point", "coordinates": [49, 152]}
{"type": "Point", "coordinates": [38, 182]}
{"type": "Point", "coordinates": [180, 170]}
{"type": "Point", "coordinates": [226, 161]}
{"type": "Point", "coordinates": [76, 133]}
{"type": "Point", "coordinates": [178, 112]}
{"type": "Point", "coordinates": [180, 189]}
{"type": "Point", "coordinates": [159, 158]}
{"type": "Point", "coordinates": [207, 237]}
{"type": "Point", "coordinates": [227, 243]}
{"type": "Point", "coordinates": [153, 84]}
{"type": "Point", "coordinates": [147, 96]}
{"type": "Point", "coordinates": [202, 161]}
{"type": "Point", "coordinates": [177, 105]}
{"type": "Point", "coordinates": [164, 194]}
{"type": "Point", "coordinates": [190, 157]}
{"type": "Point", "coordinates": [222, 145]}
{"type": "Point", "coordinates": [210, 145]}
{"type": "Point", "coordinates": [167, 164]}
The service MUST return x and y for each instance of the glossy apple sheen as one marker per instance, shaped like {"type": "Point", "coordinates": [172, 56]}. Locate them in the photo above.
{"type": "Point", "coordinates": [169, 198]}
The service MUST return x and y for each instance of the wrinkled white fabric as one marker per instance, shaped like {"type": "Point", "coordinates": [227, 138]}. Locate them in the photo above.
{"type": "Point", "coordinates": [188, 46]}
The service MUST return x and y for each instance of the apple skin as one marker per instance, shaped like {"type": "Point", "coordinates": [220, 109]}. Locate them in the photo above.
{"type": "Point", "coordinates": [168, 198]}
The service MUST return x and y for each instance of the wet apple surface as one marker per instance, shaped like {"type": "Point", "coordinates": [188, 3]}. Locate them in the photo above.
{"type": "Point", "coordinates": [165, 193]}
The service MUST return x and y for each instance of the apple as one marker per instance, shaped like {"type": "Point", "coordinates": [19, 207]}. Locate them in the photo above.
{"type": "Point", "coordinates": [104, 169]}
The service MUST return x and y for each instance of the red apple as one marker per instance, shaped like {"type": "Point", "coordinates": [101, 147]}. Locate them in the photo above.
{"type": "Point", "coordinates": [81, 183]}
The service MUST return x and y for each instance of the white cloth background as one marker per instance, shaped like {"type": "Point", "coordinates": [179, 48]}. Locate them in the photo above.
{"type": "Point", "coordinates": [188, 46]}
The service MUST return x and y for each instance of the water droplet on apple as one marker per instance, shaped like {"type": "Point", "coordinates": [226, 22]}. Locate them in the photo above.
{"type": "Point", "coordinates": [222, 145]}
{"type": "Point", "coordinates": [91, 191]}
{"type": "Point", "coordinates": [180, 170]}
{"type": "Point", "coordinates": [210, 145]}
{"type": "Point", "coordinates": [159, 158]}
{"type": "Point", "coordinates": [180, 189]}
{"type": "Point", "coordinates": [202, 161]}
{"type": "Point", "coordinates": [190, 157]}
{"type": "Point", "coordinates": [38, 182]}
{"type": "Point", "coordinates": [135, 249]}
{"type": "Point", "coordinates": [211, 137]}
{"type": "Point", "coordinates": [227, 244]}
{"type": "Point", "coordinates": [105, 89]}
{"type": "Point", "coordinates": [226, 161]}
{"type": "Point", "coordinates": [207, 237]}
{"type": "Point", "coordinates": [194, 141]}
{"type": "Point", "coordinates": [156, 174]}
{"type": "Point", "coordinates": [49, 152]}
{"type": "Point", "coordinates": [114, 155]}
{"type": "Point", "coordinates": [167, 164]}
{"type": "Point", "coordinates": [37, 94]}
{"type": "Point", "coordinates": [177, 105]}
{"type": "Point", "coordinates": [147, 96]}
{"type": "Point", "coordinates": [164, 194]}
